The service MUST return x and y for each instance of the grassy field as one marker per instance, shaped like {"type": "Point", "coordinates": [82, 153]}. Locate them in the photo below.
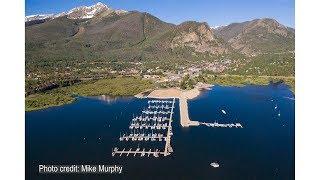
{"type": "Point", "coordinates": [120, 86]}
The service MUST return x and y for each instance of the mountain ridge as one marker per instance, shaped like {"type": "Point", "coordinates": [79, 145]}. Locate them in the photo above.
{"type": "Point", "coordinates": [81, 12]}
{"type": "Point", "coordinates": [266, 33]}
{"type": "Point", "coordinates": [84, 40]}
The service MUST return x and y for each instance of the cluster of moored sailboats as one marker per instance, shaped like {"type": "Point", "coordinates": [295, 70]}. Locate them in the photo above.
{"type": "Point", "coordinates": [154, 124]}
{"type": "Point", "coordinates": [142, 137]}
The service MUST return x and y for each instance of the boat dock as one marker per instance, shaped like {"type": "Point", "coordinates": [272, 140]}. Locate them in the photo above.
{"type": "Point", "coordinates": [148, 118]}
{"type": "Point", "coordinates": [138, 151]}
{"type": "Point", "coordinates": [159, 107]}
{"type": "Point", "coordinates": [215, 124]}
{"type": "Point", "coordinates": [157, 118]}
{"type": "Point", "coordinates": [155, 112]}
{"type": "Point", "coordinates": [168, 149]}
{"type": "Point", "coordinates": [145, 126]}
{"type": "Point", "coordinates": [142, 137]}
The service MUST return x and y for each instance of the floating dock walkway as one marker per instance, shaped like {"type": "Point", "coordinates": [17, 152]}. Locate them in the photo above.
{"type": "Point", "coordinates": [215, 124]}
{"type": "Point", "coordinates": [144, 126]}
{"type": "Point", "coordinates": [138, 151]}
{"type": "Point", "coordinates": [142, 137]}
{"type": "Point", "coordinates": [148, 118]}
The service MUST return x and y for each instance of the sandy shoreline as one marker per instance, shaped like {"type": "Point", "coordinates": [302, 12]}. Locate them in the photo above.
{"type": "Point", "coordinates": [183, 96]}
{"type": "Point", "coordinates": [174, 92]}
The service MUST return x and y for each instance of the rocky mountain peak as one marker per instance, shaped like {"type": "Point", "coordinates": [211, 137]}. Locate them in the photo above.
{"type": "Point", "coordinates": [82, 12]}
{"type": "Point", "coordinates": [258, 36]}
{"type": "Point", "coordinates": [86, 12]}
{"type": "Point", "coordinates": [199, 36]}
{"type": "Point", "coordinates": [268, 25]}
{"type": "Point", "coordinates": [200, 29]}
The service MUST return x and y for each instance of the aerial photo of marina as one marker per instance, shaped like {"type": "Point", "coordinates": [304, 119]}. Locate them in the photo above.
{"type": "Point", "coordinates": [110, 83]}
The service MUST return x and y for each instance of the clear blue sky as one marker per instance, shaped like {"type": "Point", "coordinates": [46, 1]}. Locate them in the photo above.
{"type": "Point", "coordinates": [215, 12]}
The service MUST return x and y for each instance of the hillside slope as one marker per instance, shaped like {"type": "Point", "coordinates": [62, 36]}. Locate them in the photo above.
{"type": "Point", "coordinates": [259, 36]}
{"type": "Point", "coordinates": [97, 42]}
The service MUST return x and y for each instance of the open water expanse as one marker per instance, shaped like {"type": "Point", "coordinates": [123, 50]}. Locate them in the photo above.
{"type": "Point", "coordinates": [85, 132]}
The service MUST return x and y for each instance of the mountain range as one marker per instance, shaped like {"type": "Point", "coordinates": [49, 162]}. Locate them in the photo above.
{"type": "Point", "coordinates": [99, 34]}
{"type": "Point", "coordinates": [82, 12]}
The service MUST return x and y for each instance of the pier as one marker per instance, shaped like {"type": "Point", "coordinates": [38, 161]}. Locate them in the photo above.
{"type": "Point", "coordinates": [144, 118]}
{"type": "Point", "coordinates": [215, 124]}
{"type": "Point", "coordinates": [168, 149]}
{"type": "Point", "coordinates": [147, 112]}
{"type": "Point", "coordinates": [145, 126]}
{"type": "Point", "coordinates": [158, 116]}
{"type": "Point", "coordinates": [137, 152]}
{"type": "Point", "coordinates": [142, 137]}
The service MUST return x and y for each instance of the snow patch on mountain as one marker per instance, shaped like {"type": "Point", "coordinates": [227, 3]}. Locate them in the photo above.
{"type": "Point", "coordinates": [82, 12]}
{"type": "Point", "coordinates": [38, 17]}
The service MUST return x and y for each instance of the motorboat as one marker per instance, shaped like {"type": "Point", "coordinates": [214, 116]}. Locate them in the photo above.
{"type": "Point", "coordinates": [214, 164]}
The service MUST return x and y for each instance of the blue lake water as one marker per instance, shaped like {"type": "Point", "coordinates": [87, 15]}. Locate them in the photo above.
{"type": "Point", "coordinates": [85, 132]}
